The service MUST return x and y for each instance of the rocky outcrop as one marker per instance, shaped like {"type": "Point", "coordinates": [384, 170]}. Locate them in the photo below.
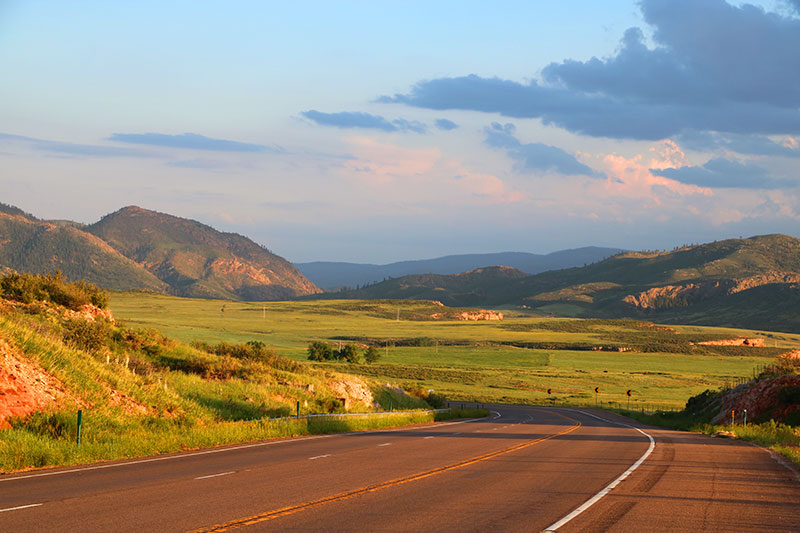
{"type": "Point", "coordinates": [754, 342]}
{"type": "Point", "coordinates": [483, 314]}
{"type": "Point", "coordinates": [759, 398]}
{"type": "Point", "coordinates": [353, 392]}
{"type": "Point", "coordinates": [677, 295]}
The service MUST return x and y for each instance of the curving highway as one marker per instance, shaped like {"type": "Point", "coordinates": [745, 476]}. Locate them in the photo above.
{"type": "Point", "coordinates": [522, 469]}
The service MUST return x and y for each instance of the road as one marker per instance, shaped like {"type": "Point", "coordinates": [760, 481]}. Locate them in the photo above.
{"type": "Point", "coordinates": [523, 469]}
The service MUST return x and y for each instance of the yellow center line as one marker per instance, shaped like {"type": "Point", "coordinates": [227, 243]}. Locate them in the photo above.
{"type": "Point", "coordinates": [269, 515]}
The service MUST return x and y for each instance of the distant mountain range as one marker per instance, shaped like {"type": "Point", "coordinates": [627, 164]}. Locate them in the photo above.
{"type": "Point", "coordinates": [335, 275]}
{"type": "Point", "coordinates": [752, 283]}
{"type": "Point", "coordinates": [134, 248]}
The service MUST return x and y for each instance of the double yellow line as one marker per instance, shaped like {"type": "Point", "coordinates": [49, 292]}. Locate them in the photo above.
{"type": "Point", "coordinates": [269, 515]}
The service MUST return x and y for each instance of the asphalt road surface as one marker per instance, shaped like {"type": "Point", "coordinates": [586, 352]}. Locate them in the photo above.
{"type": "Point", "coordinates": [523, 469]}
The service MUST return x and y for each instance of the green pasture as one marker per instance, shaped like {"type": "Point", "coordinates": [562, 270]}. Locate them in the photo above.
{"type": "Point", "coordinates": [468, 360]}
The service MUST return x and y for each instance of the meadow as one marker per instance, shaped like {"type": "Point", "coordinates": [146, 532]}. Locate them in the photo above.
{"type": "Point", "coordinates": [519, 359]}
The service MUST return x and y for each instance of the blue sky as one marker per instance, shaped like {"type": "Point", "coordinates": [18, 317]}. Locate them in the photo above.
{"type": "Point", "coordinates": [377, 131]}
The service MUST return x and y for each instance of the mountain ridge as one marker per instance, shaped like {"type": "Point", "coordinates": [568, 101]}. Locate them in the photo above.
{"type": "Point", "coordinates": [333, 275]}
{"type": "Point", "coordinates": [135, 248]}
{"type": "Point", "coordinates": [753, 282]}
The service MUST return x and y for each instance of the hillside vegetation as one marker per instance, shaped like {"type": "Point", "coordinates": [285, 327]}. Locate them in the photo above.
{"type": "Point", "coordinates": [752, 283]}
{"type": "Point", "coordinates": [141, 393]}
{"type": "Point", "coordinates": [134, 248]}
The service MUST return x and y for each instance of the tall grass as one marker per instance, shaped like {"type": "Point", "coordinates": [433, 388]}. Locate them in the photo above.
{"type": "Point", "coordinates": [23, 448]}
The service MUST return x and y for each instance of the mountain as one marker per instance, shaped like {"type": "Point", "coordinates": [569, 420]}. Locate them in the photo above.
{"type": "Point", "coordinates": [753, 283]}
{"type": "Point", "coordinates": [196, 260]}
{"type": "Point", "coordinates": [456, 290]}
{"type": "Point", "coordinates": [36, 246]}
{"type": "Point", "coordinates": [333, 275]}
{"type": "Point", "coordinates": [134, 248]}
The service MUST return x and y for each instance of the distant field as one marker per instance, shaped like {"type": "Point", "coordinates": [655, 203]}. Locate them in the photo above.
{"type": "Point", "coordinates": [515, 360]}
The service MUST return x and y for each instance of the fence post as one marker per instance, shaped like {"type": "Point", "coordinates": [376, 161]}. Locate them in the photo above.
{"type": "Point", "coordinates": [298, 409]}
{"type": "Point", "coordinates": [80, 424]}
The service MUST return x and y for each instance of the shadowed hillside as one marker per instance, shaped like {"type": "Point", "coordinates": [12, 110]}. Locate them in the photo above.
{"type": "Point", "coordinates": [333, 275]}
{"type": "Point", "coordinates": [751, 282]}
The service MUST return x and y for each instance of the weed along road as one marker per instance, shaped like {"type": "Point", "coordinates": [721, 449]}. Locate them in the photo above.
{"type": "Point", "coordinates": [522, 469]}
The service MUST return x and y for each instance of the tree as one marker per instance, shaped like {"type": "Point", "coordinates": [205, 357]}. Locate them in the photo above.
{"type": "Point", "coordinates": [320, 351]}
{"type": "Point", "coordinates": [348, 353]}
{"type": "Point", "coordinates": [372, 354]}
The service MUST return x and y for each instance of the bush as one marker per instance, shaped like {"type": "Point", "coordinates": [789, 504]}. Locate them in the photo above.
{"type": "Point", "coordinates": [320, 351]}
{"type": "Point", "coordinates": [53, 287]}
{"type": "Point", "coordinates": [89, 335]}
{"type": "Point", "coordinates": [348, 353]}
{"type": "Point", "coordinates": [372, 354]}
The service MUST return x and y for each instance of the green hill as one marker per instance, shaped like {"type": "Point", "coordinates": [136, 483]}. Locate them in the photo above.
{"type": "Point", "coordinates": [753, 283]}
{"type": "Point", "coordinates": [471, 288]}
{"type": "Point", "coordinates": [38, 247]}
{"type": "Point", "coordinates": [134, 248]}
{"type": "Point", "coordinates": [198, 261]}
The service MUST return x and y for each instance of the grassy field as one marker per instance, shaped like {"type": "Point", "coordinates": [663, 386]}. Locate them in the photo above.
{"type": "Point", "coordinates": [514, 360]}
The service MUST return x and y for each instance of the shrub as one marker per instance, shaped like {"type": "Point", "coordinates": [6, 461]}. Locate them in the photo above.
{"type": "Point", "coordinates": [53, 287]}
{"type": "Point", "coordinates": [348, 353]}
{"type": "Point", "coordinates": [371, 355]}
{"type": "Point", "coordinates": [320, 351]}
{"type": "Point", "coordinates": [89, 335]}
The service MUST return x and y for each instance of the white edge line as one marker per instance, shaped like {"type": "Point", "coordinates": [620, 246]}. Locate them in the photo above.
{"type": "Point", "coordinates": [227, 449]}
{"type": "Point", "coordinates": [319, 457]}
{"type": "Point", "coordinates": [21, 507]}
{"type": "Point", "coordinates": [385, 444]}
{"type": "Point", "coordinates": [594, 499]}
{"type": "Point", "coordinates": [216, 475]}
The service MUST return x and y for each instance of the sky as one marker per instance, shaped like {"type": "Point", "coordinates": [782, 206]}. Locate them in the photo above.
{"type": "Point", "coordinates": [375, 132]}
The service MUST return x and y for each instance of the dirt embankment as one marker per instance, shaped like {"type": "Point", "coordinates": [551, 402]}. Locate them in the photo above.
{"type": "Point", "coordinates": [24, 387]}
{"type": "Point", "coordinates": [762, 398]}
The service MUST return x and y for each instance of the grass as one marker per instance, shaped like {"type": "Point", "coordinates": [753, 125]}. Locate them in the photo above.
{"type": "Point", "coordinates": [477, 360]}
{"type": "Point", "coordinates": [781, 438]}
{"type": "Point", "coordinates": [24, 449]}
{"type": "Point", "coordinates": [185, 396]}
{"type": "Point", "coordinates": [142, 393]}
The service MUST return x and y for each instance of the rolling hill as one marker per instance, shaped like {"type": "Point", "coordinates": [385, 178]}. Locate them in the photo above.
{"type": "Point", "coordinates": [751, 283]}
{"type": "Point", "coordinates": [36, 246]}
{"type": "Point", "coordinates": [333, 275]}
{"type": "Point", "coordinates": [198, 261]}
{"type": "Point", "coordinates": [134, 248]}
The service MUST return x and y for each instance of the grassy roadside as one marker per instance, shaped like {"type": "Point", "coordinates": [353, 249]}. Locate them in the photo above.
{"type": "Point", "coordinates": [20, 450]}
{"type": "Point", "coordinates": [781, 438]}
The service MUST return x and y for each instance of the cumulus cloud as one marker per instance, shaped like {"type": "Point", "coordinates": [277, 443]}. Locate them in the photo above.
{"type": "Point", "coordinates": [723, 173]}
{"type": "Point", "coordinates": [715, 67]}
{"type": "Point", "coordinates": [447, 125]}
{"type": "Point", "coordinates": [531, 157]}
{"type": "Point", "coordinates": [191, 141]}
{"type": "Point", "coordinates": [58, 147]}
{"type": "Point", "coordinates": [355, 119]}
